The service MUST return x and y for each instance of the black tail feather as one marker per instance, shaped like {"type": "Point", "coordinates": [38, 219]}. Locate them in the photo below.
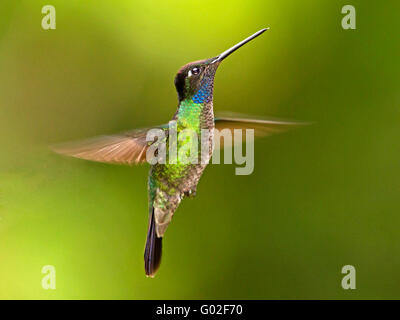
{"type": "Point", "coordinates": [152, 252]}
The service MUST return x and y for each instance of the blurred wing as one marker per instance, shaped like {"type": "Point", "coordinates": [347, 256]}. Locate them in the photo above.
{"type": "Point", "coordinates": [261, 127]}
{"type": "Point", "coordinates": [125, 148]}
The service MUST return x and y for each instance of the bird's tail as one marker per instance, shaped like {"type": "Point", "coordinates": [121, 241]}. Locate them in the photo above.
{"type": "Point", "coordinates": [152, 252]}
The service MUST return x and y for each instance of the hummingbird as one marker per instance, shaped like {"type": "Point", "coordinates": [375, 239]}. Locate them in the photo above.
{"type": "Point", "coordinates": [170, 183]}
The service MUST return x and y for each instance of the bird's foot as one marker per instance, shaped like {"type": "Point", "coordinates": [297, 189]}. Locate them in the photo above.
{"type": "Point", "coordinates": [190, 193]}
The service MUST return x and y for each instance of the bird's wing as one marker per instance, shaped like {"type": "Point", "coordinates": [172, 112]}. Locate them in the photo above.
{"type": "Point", "coordinates": [261, 127]}
{"type": "Point", "coordinates": [125, 148]}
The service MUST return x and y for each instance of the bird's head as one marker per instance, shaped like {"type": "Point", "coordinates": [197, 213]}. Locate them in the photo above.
{"type": "Point", "coordinates": [195, 80]}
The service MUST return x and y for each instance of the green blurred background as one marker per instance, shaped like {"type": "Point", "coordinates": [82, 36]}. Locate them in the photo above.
{"type": "Point", "coordinates": [320, 197]}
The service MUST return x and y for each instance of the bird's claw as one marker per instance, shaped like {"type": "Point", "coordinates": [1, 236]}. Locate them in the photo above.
{"type": "Point", "coordinates": [190, 193]}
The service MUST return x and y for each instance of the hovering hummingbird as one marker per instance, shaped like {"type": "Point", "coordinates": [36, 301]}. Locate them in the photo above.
{"type": "Point", "coordinates": [169, 183]}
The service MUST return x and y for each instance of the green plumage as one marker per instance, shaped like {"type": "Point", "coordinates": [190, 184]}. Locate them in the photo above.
{"type": "Point", "coordinates": [170, 182]}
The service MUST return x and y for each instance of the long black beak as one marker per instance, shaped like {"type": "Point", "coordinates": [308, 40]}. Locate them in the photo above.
{"type": "Point", "coordinates": [226, 53]}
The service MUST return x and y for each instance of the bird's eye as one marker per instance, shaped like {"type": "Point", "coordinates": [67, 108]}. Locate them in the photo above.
{"type": "Point", "coordinates": [194, 71]}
